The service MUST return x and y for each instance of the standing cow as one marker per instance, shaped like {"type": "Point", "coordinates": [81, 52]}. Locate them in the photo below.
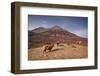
{"type": "Point", "coordinates": [48, 47]}
{"type": "Point", "coordinates": [57, 43]}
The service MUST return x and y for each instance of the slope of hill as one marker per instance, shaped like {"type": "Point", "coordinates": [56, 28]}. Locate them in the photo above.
{"type": "Point", "coordinates": [40, 29]}
{"type": "Point", "coordinates": [41, 36]}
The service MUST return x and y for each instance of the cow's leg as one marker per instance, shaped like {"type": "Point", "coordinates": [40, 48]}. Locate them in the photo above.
{"type": "Point", "coordinates": [44, 51]}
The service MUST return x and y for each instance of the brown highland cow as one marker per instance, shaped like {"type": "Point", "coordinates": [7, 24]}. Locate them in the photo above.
{"type": "Point", "coordinates": [48, 47]}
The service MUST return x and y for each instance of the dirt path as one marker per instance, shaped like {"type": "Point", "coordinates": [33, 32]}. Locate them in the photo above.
{"type": "Point", "coordinates": [59, 52]}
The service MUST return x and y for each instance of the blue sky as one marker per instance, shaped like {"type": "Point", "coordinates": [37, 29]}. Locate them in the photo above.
{"type": "Point", "coordinates": [77, 25]}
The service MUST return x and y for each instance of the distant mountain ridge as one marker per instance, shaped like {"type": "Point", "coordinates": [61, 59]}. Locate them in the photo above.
{"type": "Point", "coordinates": [41, 36]}
{"type": "Point", "coordinates": [39, 30]}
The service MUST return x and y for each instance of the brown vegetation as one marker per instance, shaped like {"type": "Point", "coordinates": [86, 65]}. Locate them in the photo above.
{"type": "Point", "coordinates": [71, 51]}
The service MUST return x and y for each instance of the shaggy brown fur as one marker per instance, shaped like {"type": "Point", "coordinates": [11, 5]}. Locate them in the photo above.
{"type": "Point", "coordinates": [48, 47]}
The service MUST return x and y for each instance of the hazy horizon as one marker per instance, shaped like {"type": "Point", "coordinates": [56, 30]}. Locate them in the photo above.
{"type": "Point", "coordinates": [76, 25]}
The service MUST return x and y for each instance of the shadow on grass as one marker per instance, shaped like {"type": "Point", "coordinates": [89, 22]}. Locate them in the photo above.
{"type": "Point", "coordinates": [58, 49]}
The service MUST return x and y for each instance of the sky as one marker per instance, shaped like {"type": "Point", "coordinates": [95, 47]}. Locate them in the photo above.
{"type": "Point", "coordinates": [76, 25]}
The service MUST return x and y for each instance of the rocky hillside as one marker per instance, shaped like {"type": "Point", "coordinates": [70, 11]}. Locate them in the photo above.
{"type": "Point", "coordinates": [40, 36]}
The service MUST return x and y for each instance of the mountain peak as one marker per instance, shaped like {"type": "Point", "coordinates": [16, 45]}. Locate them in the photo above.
{"type": "Point", "coordinates": [56, 27]}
